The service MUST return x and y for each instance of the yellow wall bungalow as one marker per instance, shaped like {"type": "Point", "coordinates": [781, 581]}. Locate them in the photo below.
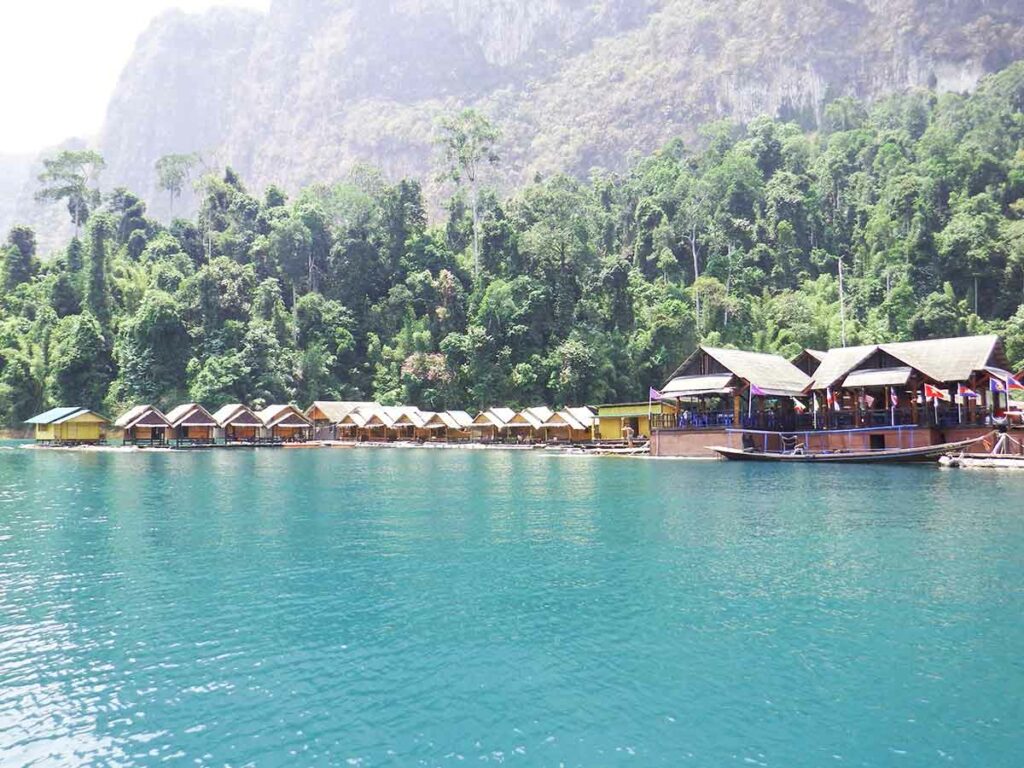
{"type": "Point", "coordinates": [69, 426]}
{"type": "Point", "coordinates": [618, 421]}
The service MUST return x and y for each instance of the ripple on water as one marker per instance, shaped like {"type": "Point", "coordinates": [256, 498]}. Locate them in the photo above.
{"type": "Point", "coordinates": [428, 608]}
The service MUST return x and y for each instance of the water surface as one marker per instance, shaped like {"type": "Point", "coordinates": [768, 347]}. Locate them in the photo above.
{"type": "Point", "coordinates": [414, 607]}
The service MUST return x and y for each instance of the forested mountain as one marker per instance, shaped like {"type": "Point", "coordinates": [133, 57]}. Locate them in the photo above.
{"type": "Point", "coordinates": [571, 291]}
{"type": "Point", "coordinates": [313, 88]}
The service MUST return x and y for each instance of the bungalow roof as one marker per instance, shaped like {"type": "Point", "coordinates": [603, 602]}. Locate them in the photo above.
{"type": "Point", "coordinates": [64, 414]}
{"type": "Point", "coordinates": [236, 414]}
{"type": "Point", "coordinates": [142, 416]}
{"type": "Point", "coordinates": [190, 415]}
{"type": "Point", "coordinates": [335, 410]}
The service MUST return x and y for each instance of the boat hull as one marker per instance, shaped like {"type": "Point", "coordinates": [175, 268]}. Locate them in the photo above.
{"type": "Point", "coordinates": [895, 456]}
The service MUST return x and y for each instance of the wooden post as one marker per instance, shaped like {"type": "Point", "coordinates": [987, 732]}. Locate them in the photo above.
{"type": "Point", "coordinates": [736, 417]}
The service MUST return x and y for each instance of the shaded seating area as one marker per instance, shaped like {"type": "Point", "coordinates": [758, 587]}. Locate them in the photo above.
{"type": "Point", "coordinates": [716, 389]}
{"type": "Point", "coordinates": [144, 425]}
{"type": "Point", "coordinates": [70, 425]}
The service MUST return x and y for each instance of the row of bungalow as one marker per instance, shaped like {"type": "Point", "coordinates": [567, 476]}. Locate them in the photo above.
{"type": "Point", "coordinates": [870, 396]}
{"type": "Point", "coordinates": [191, 425]}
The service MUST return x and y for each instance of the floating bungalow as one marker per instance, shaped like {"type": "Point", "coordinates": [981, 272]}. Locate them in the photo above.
{"type": "Point", "coordinates": [457, 425]}
{"type": "Point", "coordinates": [528, 424]}
{"type": "Point", "coordinates": [574, 425]}
{"type": "Point", "coordinates": [631, 421]}
{"type": "Point", "coordinates": [284, 424]}
{"type": "Point", "coordinates": [492, 425]}
{"type": "Point", "coordinates": [191, 425]}
{"type": "Point", "coordinates": [71, 425]}
{"type": "Point", "coordinates": [144, 425]}
{"type": "Point", "coordinates": [237, 423]}
{"type": "Point", "coordinates": [327, 415]}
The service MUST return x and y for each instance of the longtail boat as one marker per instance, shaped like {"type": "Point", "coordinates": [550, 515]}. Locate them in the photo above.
{"type": "Point", "coordinates": [892, 455]}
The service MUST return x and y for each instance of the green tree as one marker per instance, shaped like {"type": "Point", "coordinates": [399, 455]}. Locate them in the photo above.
{"type": "Point", "coordinates": [172, 172]}
{"type": "Point", "coordinates": [68, 176]}
{"type": "Point", "coordinates": [20, 262]}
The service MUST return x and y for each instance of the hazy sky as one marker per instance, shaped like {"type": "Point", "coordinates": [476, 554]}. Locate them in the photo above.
{"type": "Point", "coordinates": [60, 60]}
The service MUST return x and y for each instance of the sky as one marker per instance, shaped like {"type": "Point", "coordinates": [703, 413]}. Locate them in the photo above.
{"type": "Point", "coordinates": [60, 60]}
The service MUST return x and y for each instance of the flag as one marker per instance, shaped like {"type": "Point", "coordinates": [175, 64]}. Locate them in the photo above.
{"type": "Point", "coordinates": [654, 394]}
{"type": "Point", "coordinates": [934, 393]}
{"type": "Point", "coordinates": [798, 406]}
{"type": "Point", "coordinates": [756, 390]}
{"type": "Point", "coordinates": [869, 401]}
{"type": "Point", "coordinates": [894, 398]}
{"type": "Point", "coordinates": [832, 400]}
{"type": "Point", "coordinates": [964, 391]}
{"type": "Point", "coordinates": [996, 385]}
{"type": "Point", "coordinates": [1012, 382]}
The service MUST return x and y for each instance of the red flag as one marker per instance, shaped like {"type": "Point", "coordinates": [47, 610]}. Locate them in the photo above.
{"type": "Point", "coordinates": [934, 393]}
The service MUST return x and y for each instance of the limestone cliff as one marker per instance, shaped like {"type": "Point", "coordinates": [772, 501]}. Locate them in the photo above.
{"type": "Point", "coordinates": [313, 87]}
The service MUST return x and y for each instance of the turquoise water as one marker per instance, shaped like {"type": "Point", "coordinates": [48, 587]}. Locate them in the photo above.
{"type": "Point", "coordinates": [435, 608]}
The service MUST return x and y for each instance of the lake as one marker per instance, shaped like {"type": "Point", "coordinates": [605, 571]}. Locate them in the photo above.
{"type": "Point", "coordinates": [398, 607]}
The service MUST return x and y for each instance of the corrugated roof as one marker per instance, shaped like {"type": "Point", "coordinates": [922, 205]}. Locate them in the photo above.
{"type": "Point", "coordinates": [878, 377]}
{"type": "Point", "coordinates": [494, 417]}
{"type": "Point", "coordinates": [583, 414]}
{"type": "Point", "coordinates": [564, 419]}
{"type": "Point", "coordinates": [461, 418]}
{"type": "Point", "coordinates": [55, 415]}
{"type": "Point", "coordinates": [948, 359]}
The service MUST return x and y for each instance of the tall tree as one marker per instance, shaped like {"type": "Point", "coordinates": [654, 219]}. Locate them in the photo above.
{"type": "Point", "coordinates": [467, 141]}
{"type": "Point", "coordinates": [172, 172]}
{"type": "Point", "coordinates": [69, 175]}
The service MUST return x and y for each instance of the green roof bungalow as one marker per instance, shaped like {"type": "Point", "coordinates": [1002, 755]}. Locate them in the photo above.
{"type": "Point", "coordinates": [71, 425]}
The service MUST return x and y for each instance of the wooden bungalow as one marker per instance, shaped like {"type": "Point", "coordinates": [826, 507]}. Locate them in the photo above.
{"type": "Point", "coordinates": [632, 421]}
{"type": "Point", "coordinates": [492, 425]}
{"type": "Point", "coordinates": [355, 425]}
{"type": "Point", "coordinates": [459, 425]}
{"type": "Point", "coordinates": [237, 423]}
{"type": "Point", "coordinates": [69, 426]}
{"type": "Point", "coordinates": [450, 426]}
{"type": "Point", "coordinates": [880, 385]}
{"type": "Point", "coordinates": [575, 425]}
{"type": "Point", "coordinates": [327, 415]}
{"type": "Point", "coordinates": [144, 425]}
{"type": "Point", "coordinates": [191, 424]}
{"type": "Point", "coordinates": [528, 424]}
{"type": "Point", "coordinates": [284, 424]}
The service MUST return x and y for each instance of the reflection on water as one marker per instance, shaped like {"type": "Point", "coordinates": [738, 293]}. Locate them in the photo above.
{"type": "Point", "coordinates": [370, 607]}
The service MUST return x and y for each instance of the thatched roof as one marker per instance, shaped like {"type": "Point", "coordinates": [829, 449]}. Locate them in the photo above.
{"type": "Point", "coordinates": [282, 416]}
{"type": "Point", "coordinates": [461, 419]}
{"type": "Point", "coordinates": [494, 417]}
{"type": "Point", "coordinates": [236, 414]}
{"type": "Point", "coordinates": [533, 417]}
{"type": "Point", "coordinates": [190, 415]}
{"type": "Point", "coordinates": [941, 360]}
{"type": "Point", "coordinates": [772, 373]}
{"type": "Point", "coordinates": [839, 362]}
{"type": "Point", "coordinates": [335, 410]}
{"type": "Point", "coordinates": [142, 416]}
{"type": "Point", "coordinates": [946, 360]}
